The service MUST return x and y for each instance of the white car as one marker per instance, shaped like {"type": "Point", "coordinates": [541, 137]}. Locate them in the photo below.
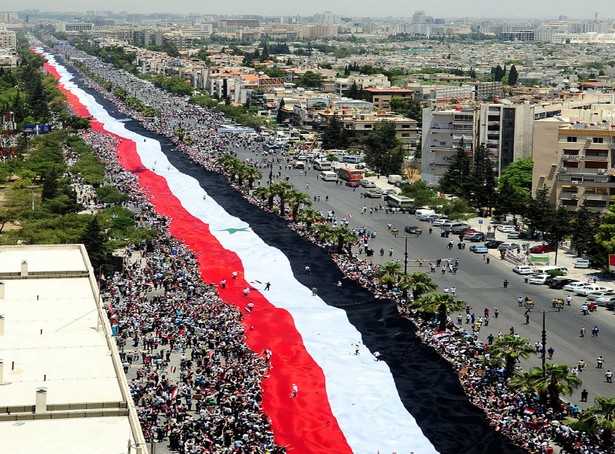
{"type": "Point", "coordinates": [589, 288]}
{"type": "Point", "coordinates": [581, 263]}
{"type": "Point", "coordinates": [538, 279]}
{"type": "Point", "coordinates": [574, 286]}
{"type": "Point", "coordinates": [593, 296]}
{"type": "Point", "coordinates": [523, 269]}
{"type": "Point", "coordinates": [439, 222]}
{"type": "Point", "coordinates": [506, 228]}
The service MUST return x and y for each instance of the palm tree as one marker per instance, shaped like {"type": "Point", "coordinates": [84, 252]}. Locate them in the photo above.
{"type": "Point", "coordinates": [252, 174]}
{"type": "Point", "coordinates": [418, 283]}
{"type": "Point", "coordinates": [324, 232]}
{"type": "Point", "coordinates": [344, 236]}
{"type": "Point", "coordinates": [555, 381]}
{"type": "Point", "coordinates": [296, 199]}
{"type": "Point", "coordinates": [437, 303]}
{"type": "Point", "coordinates": [508, 349]}
{"type": "Point", "coordinates": [388, 274]}
{"type": "Point", "coordinates": [266, 192]}
{"type": "Point", "coordinates": [309, 216]}
{"type": "Point", "coordinates": [598, 420]}
{"type": "Point", "coordinates": [281, 189]}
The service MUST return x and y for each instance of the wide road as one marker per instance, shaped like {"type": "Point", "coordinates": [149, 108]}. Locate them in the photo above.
{"type": "Point", "coordinates": [477, 283]}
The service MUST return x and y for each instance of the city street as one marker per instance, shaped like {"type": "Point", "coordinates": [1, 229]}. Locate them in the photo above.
{"type": "Point", "coordinates": [478, 283]}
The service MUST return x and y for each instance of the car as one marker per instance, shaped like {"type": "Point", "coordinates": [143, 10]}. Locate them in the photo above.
{"type": "Point", "coordinates": [413, 229]}
{"type": "Point", "coordinates": [574, 286]}
{"type": "Point", "coordinates": [606, 301]}
{"type": "Point", "coordinates": [558, 282]}
{"type": "Point", "coordinates": [389, 191]}
{"type": "Point", "coordinates": [506, 228]}
{"type": "Point", "coordinates": [543, 248]}
{"type": "Point", "coordinates": [504, 246]}
{"type": "Point", "coordinates": [593, 296]}
{"type": "Point", "coordinates": [479, 248]}
{"type": "Point", "coordinates": [438, 222]}
{"type": "Point", "coordinates": [493, 244]}
{"type": "Point", "coordinates": [592, 288]}
{"type": "Point", "coordinates": [353, 184]}
{"type": "Point", "coordinates": [367, 184]}
{"type": "Point", "coordinates": [475, 237]}
{"type": "Point", "coordinates": [459, 229]}
{"type": "Point", "coordinates": [374, 193]}
{"type": "Point", "coordinates": [538, 279]}
{"type": "Point", "coordinates": [514, 235]}
{"type": "Point", "coordinates": [465, 232]}
{"type": "Point", "coordinates": [360, 166]}
{"type": "Point", "coordinates": [581, 263]}
{"type": "Point", "coordinates": [523, 269]}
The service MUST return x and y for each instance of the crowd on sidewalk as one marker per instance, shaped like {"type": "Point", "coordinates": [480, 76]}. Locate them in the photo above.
{"type": "Point", "coordinates": [189, 320]}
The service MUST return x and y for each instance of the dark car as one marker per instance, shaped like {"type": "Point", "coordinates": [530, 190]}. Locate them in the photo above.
{"type": "Point", "coordinates": [542, 248]}
{"type": "Point", "coordinates": [413, 229]}
{"type": "Point", "coordinates": [353, 184]}
{"type": "Point", "coordinates": [475, 237]}
{"type": "Point", "coordinates": [459, 229]}
{"type": "Point", "coordinates": [493, 244]}
{"type": "Point", "coordinates": [558, 282]}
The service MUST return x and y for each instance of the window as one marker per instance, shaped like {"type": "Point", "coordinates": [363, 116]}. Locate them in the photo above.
{"type": "Point", "coordinates": [598, 140]}
{"type": "Point", "coordinates": [571, 139]}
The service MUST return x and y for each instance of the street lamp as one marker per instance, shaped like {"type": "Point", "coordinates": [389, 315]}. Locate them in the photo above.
{"type": "Point", "coordinates": [529, 305]}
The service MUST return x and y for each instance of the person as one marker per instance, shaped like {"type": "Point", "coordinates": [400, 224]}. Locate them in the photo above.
{"type": "Point", "coordinates": [490, 339]}
{"type": "Point", "coordinates": [223, 283]}
{"type": "Point", "coordinates": [246, 291]}
{"type": "Point", "coordinates": [377, 356]}
{"type": "Point", "coordinates": [496, 312]}
{"type": "Point", "coordinates": [294, 391]}
{"type": "Point", "coordinates": [599, 362]}
{"type": "Point", "coordinates": [314, 291]}
{"type": "Point", "coordinates": [430, 230]}
{"type": "Point", "coordinates": [595, 331]}
{"type": "Point", "coordinates": [357, 350]}
{"type": "Point", "coordinates": [268, 286]}
{"type": "Point", "coordinates": [453, 291]}
{"type": "Point", "coordinates": [381, 252]}
{"type": "Point", "coordinates": [582, 332]}
{"type": "Point", "coordinates": [487, 260]}
{"type": "Point", "coordinates": [505, 283]}
{"type": "Point", "coordinates": [450, 244]}
{"type": "Point", "coordinates": [234, 274]}
{"type": "Point", "coordinates": [609, 376]}
{"type": "Point", "coordinates": [391, 252]}
{"type": "Point", "coordinates": [568, 300]}
{"type": "Point", "coordinates": [584, 395]}
{"type": "Point", "coordinates": [520, 301]}
{"type": "Point", "coordinates": [339, 285]}
{"type": "Point", "coordinates": [308, 269]}
{"type": "Point", "coordinates": [550, 351]}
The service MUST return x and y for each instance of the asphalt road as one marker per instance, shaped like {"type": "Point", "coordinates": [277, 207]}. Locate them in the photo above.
{"type": "Point", "coordinates": [477, 283]}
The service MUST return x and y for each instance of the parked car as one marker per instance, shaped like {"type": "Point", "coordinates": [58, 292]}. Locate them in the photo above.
{"type": "Point", "coordinates": [543, 248]}
{"type": "Point", "coordinates": [504, 246]}
{"type": "Point", "coordinates": [493, 244]}
{"type": "Point", "coordinates": [574, 286]}
{"type": "Point", "coordinates": [475, 237]}
{"type": "Point", "coordinates": [514, 235]}
{"type": "Point", "coordinates": [593, 296]}
{"type": "Point", "coordinates": [438, 221]}
{"type": "Point", "coordinates": [465, 232]}
{"type": "Point", "coordinates": [353, 184]}
{"type": "Point", "coordinates": [558, 282]}
{"type": "Point", "coordinates": [506, 228]}
{"type": "Point", "coordinates": [523, 269]}
{"type": "Point", "coordinates": [479, 248]}
{"type": "Point", "coordinates": [581, 263]}
{"type": "Point", "coordinates": [606, 301]}
{"type": "Point", "coordinates": [413, 229]}
{"type": "Point", "coordinates": [458, 229]}
{"type": "Point", "coordinates": [374, 193]}
{"type": "Point", "coordinates": [592, 288]}
{"type": "Point", "coordinates": [367, 184]}
{"type": "Point", "coordinates": [538, 279]}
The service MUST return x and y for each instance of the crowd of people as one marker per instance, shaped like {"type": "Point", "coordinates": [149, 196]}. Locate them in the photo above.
{"type": "Point", "coordinates": [159, 305]}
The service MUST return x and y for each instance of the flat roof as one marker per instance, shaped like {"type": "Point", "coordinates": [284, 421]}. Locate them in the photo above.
{"type": "Point", "coordinates": [53, 339]}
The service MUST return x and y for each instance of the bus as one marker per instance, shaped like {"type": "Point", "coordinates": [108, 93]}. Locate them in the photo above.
{"type": "Point", "coordinates": [328, 175]}
{"type": "Point", "coordinates": [322, 165]}
{"type": "Point", "coordinates": [399, 201]}
{"type": "Point", "coordinates": [350, 174]}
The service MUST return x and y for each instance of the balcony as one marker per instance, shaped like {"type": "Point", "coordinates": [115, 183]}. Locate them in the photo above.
{"type": "Point", "coordinates": [570, 157]}
{"type": "Point", "coordinates": [441, 148]}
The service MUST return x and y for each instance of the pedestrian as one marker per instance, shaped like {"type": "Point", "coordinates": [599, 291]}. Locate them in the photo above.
{"type": "Point", "coordinates": [294, 391]}
{"type": "Point", "coordinates": [527, 317]}
{"type": "Point", "coordinates": [246, 291]}
{"type": "Point", "coordinates": [453, 291]}
{"type": "Point", "coordinates": [268, 286]}
{"type": "Point", "coordinates": [582, 332]}
{"type": "Point", "coordinates": [356, 349]}
{"type": "Point", "coordinates": [520, 301]}
{"type": "Point", "coordinates": [459, 319]}
{"type": "Point", "coordinates": [488, 259]}
{"type": "Point", "coordinates": [223, 283]}
{"type": "Point", "coordinates": [339, 285]}
{"type": "Point", "coordinates": [391, 252]}
{"type": "Point", "coordinates": [550, 351]}
{"type": "Point", "coordinates": [609, 376]}
{"type": "Point", "coordinates": [595, 331]}
{"type": "Point", "coordinates": [490, 339]}
{"type": "Point", "coordinates": [234, 274]}
{"type": "Point", "coordinates": [584, 395]}
{"type": "Point", "coordinates": [496, 312]}
{"type": "Point", "coordinates": [512, 330]}
{"type": "Point", "coordinates": [505, 283]}
{"type": "Point", "coordinates": [308, 269]}
{"type": "Point", "coordinates": [446, 290]}
{"type": "Point", "coordinates": [314, 291]}
{"type": "Point", "coordinates": [599, 362]}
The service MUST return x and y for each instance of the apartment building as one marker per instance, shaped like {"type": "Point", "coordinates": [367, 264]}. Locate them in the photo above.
{"type": "Point", "coordinates": [8, 39]}
{"type": "Point", "coordinates": [575, 159]}
{"type": "Point", "coordinates": [443, 133]}
{"type": "Point", "coordinates": [406, 129]}
{"type": "Point", "coordinates": [381, 97]}
{"type": "Point", "coordinates": [362, 81]}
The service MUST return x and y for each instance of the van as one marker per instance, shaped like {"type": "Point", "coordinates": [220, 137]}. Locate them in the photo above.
{"type": "Point", "coordinates": [581, 263]}
{"type": "Point", "coordinates": [322, 165]}
{"type": "Point", "coordinates": [392, 179]}
{"type": "Point", "coordinates": [299, 165]}
{"type": "Point", "coordinates": [328, 175]}
{"type": "Point", "coordinates": [546, 269]}
{"type": "Point", "coordinates": [448, 226]}
{"type": "Point", "coordinates": [353, 158]}
{"type": "Point", "coordinates": [424, 212]}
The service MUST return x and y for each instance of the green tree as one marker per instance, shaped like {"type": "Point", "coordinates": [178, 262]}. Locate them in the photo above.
{"type": "Point", "coordinates": [354, 92]}
{"type": "Point", "coordinates": [507, 350]}
{"type": "Point", "coordinates": [310, 79]}
{"type": "Point", "coordinates": [551, 383]}
{"type": "Point", "coordinates": [584, 226]}
{"type": "Point", "coordinates": [94, 242]}
{"type": "Point", "coordinates": [334, 136]}
{"type": "Point", "coordinates": [480, 187]}
{"type": "Point", "coordinates": [455, 179]}
{"type": "Point", "coordinates": [605, 237]}
{"type": "Point", "coordinates": [50, 185]}
{"type": "Point", "coordinates": [439, 304]}
{"type": "Point", "coordinates": [383, 150]}
{"type": "Point", "coordinates": [418, 284]}
{"type": "Point", "coordinates": [513, 75]}
{"type": "Point", "coordinates": [515, 187]}
{"type": "Point", "coordinates": [388, 273]}
{"type": "Point", "coordinates": [598, 420]}
{"type": "Point", "coordinates": [344, 237]}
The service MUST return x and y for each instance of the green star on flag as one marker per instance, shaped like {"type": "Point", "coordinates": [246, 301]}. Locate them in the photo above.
{"type": "Point", "coordinates": [232, 230]}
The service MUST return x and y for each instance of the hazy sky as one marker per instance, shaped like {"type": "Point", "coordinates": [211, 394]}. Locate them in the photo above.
{"type": "Point", "coordinates": [374, 8]}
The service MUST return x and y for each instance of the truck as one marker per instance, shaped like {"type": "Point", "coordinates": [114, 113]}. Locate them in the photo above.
{"type": "Point", "coordinates": [400, 201]}
{"type": "Point", "coordinates": [350, 174]}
